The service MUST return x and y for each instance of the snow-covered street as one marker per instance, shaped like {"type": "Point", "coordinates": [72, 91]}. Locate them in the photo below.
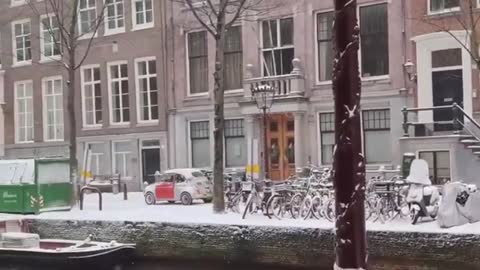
{"type": "Point", "coordinates": [135, 209]}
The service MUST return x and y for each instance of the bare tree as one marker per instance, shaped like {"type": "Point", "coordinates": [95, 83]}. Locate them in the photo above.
{"type": "Point", "coordinates": [217, 16]}
{"type": "Point", "coordinates": [74, 41]}
{"type": "Point", "coordinates": [466, 18]}
{"type": "Point", "coordinates": [349, 162]}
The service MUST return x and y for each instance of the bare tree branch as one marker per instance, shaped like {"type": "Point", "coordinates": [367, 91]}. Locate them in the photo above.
{"type": "Point", "coordinates": [237, 14]}
{"type": "Point", "coordinates": [198, 18]}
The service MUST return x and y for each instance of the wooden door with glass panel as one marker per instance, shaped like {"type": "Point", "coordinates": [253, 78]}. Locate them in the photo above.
{"type": "Point", "coordinates": [281, 145]}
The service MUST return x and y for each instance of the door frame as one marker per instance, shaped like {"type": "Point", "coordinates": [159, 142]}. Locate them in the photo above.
{"type": "Point", "coordinates": [425, 45]}
{"type": "Point", "coordinates": [159, 147]}
{"type": "Point", "coordinates": [283, 135]}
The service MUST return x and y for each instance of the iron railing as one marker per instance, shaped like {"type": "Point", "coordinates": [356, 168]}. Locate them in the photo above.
{"type": "Point", "coordinates": [458, 113]}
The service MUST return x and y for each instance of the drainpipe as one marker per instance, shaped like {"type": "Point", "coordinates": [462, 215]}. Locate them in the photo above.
{"type": "Point", "coordinates": [2, 116]}
{"type": "Point", "coordinates": [404, 42]}
{"type": "Point", "coordinates": [171, 132]}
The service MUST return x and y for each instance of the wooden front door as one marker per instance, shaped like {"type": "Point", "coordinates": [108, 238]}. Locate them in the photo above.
{"type": "Point", "coordinates": [281, 145]}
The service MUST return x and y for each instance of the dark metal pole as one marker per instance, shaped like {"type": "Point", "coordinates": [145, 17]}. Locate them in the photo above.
{"type": "Point", "coordinates": [405, 122]}
{"type": "Point", "coordinates": [349, 162]}
{"type": "Point", "coordinates": [265, 144]}
{"type": "Point", "coordinates": [456, 119]}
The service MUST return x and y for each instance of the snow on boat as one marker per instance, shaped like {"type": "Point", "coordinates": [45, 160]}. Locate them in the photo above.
{"type": "Point", "coordinates": [29, 248]}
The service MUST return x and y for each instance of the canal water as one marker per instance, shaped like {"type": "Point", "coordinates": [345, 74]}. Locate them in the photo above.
{"type": "Point", "coordinates": [160, 265]}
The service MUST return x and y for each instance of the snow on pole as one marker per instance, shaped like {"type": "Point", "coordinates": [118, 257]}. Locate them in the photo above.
{"type": "Point", "coordinates": [349, 163]}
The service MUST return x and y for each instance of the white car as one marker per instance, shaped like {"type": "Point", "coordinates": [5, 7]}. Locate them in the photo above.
{"type": "Point", "coordinates": [184, 185]}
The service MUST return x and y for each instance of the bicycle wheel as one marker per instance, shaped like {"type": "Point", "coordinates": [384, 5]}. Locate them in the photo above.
{"type": "Point", "coordinates": [235, 203]}
{"type": "Point", "coordinates": [269, 206]}
{"type": "Point", "coordinates": [385, 210]}
{"type": "Point", "coordinates": [306, 209]}
{"type": "Point", "coordinates": [278, 207]}
{"type": "Point", "coordinates": [316, 206]}
{"type": "Point", "coordinates": [330, 210]}
{"type": "Point", "coordinates": [248, 207]}
{"type": "Point", "coordinates": [296, 205]}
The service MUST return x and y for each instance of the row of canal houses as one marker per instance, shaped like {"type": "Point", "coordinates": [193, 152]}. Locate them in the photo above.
{"type": "Point", "coordinates": [144, 93]}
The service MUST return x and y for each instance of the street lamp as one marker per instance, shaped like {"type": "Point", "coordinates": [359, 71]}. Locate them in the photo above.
{"type": "Point", "coordinates": [263, 95]}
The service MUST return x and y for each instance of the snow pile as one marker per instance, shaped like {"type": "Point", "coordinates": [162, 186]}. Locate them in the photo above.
{"type": "Point", "coordinates": [135, 209]}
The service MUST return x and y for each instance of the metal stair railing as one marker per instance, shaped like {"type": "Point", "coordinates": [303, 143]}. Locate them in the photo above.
{"type": "Point", "coordinates": [457, 112]}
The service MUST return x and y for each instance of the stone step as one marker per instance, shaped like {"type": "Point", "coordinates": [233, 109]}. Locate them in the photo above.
{"type": "Point", "coordinates": [474, 147]}
{"type": "Point", "coordinates": [469, 141]}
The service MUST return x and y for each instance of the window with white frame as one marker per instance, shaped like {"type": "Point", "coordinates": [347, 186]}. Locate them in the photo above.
{"type": "Point", "coordinates": [115, 19]}
{"type": "Point", "coordinates": [22, 41]}
{"type": "Point", "coordinates": [438, 166]}
{"type": "Point", "coordinates": [118, 88]}
{"type": "Point", "coordinates": [374, 40]}
{"type": "Point", "coordinates": [233, 58]}
{"type": "Point", "coordinates": [200, 144]}
{"type": "Point", "coordinates": [376, 135]}
{"type": "Point", "coordinates": [325, 45]}
{"type": "Point", "coordinates": [121, 156]}
{"type": "Point", "coordinates": [50, 37]}
{"type": "Point", "coordinates": [198, 62]}
{"type": "Point", "coordinates": [278, 49]}
{"type": "Point", "coordinates": [18, 2]}
{"type": "Point", "coordinates": [235, 144]}
{"type": "Point", "coordinates": [327, 137]}
{"type": "Point", "coordinates": [143, 13]}
{"type": "Point", "coordinates": [87, 16]}
{"type": "Point", "coordinates": [91, 96]}
{"type": "Point", "coordinates": [24, 112]}
{"type": "Point", "coordinates": [53, 109]}
{"type": "Point", "coordinates": [97, 161]}
{"type": "Point", "coordinates": [147, 89]}
{"type": "Point", "coordinates": [440, 6]}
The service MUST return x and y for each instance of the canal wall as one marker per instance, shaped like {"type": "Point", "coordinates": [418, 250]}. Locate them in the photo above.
{"type": "Point", "coordinates": [297, 247]}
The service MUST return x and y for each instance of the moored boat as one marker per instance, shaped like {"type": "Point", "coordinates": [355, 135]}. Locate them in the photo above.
{"type": "Point", "coordinates": [29, 248]}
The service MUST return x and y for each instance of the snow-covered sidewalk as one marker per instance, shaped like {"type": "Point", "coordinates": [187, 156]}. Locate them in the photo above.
{"type": "Point", "coordinates": [135, 209]}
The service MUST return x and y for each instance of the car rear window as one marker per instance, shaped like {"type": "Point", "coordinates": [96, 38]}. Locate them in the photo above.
{"type": "Point", "coordinates": [198, 174]}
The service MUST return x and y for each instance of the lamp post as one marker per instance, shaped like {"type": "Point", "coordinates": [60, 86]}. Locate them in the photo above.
{"type": "Point", "coordinates": [263, 95]}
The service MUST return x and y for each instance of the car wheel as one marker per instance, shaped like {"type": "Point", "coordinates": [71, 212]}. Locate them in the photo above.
{"type": "Point", "coordinates": [150, 198]}
{"type": "Point", "coordinates": [186, 198]}
{"type": "Point", "coordinates": [207, 200]}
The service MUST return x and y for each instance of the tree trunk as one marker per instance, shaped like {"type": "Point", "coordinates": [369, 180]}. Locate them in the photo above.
{"type": "Point", "coordinates": [71, 50]}
{"type": "Point", "coordinates": [218, 91]}
{"type": "Point", "coordinates": [349, 164]}
{"type": "Point", "coordinates": [72, 131]}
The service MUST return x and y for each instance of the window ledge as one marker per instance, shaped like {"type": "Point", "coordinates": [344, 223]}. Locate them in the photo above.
{"type": "Point", "coordinates": [120, 125]}
{"type": "Point", "coordinates": [365, 80]}
{"type": "Point", "coordinates": [87, 128]}
{"type": "Point", "coordinates": [139, 27]}
{"type": "Point", "coordinates": [322, 83]}
{"type": "Point", "coordinates": [87, 36]}
{"type": "Point", "coordinates": [147, 123]}
{"type": "Point", "coordinates": [22, 64]}
{"type": "Point", "coordinates": [234, 92]}
{"type": "Point", "coordinates": [54, 141]}
{"type": "Point", "coordinates": [114, 32]}
{"type": "Point", "coordinates": [443, 13]}
{"type": "Point", "coordinates": [197, 96]}
{"type": "Point", "coordinates": [26, 142]}
{"type": "Point", "coordinates": [45, 60]}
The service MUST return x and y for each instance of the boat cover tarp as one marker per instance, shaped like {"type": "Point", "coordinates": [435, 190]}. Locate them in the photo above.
{"type": "Point", "coordinates": [459, 205]}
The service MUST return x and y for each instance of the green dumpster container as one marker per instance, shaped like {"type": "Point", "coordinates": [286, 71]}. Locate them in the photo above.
{"type": "Point", "coordinates": [32, 186]}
